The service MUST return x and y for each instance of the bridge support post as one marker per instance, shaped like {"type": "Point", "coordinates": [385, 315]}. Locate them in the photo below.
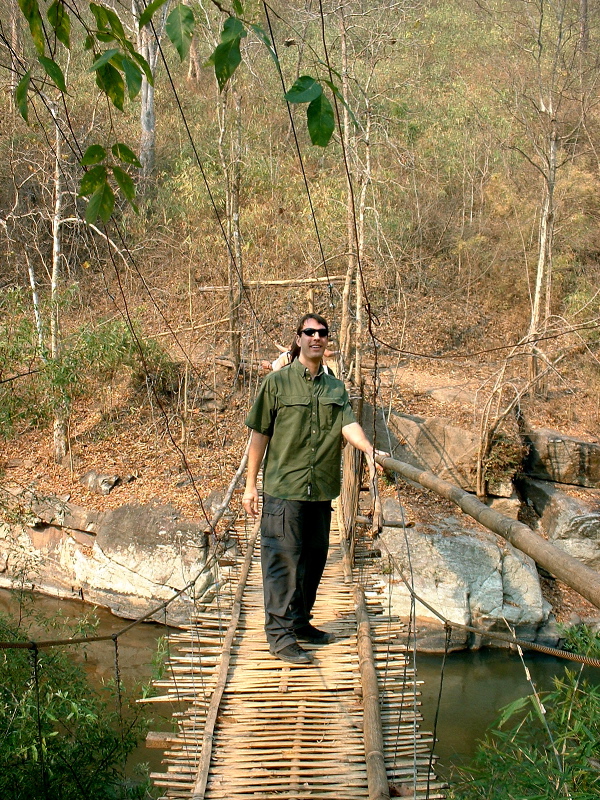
{"type": "Point", "coordinates": [373, 736]}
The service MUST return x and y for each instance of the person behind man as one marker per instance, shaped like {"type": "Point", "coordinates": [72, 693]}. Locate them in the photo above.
{"type": "Point", "coordinates": [300, 417]}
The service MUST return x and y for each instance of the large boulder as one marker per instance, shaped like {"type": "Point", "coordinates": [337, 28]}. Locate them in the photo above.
{"type": "Point", "coordinates": [562, 459]}
{"type": "Point", "coordinates": [436, 445]}
{"type": "Point", "coordinates": [572, 523]}
{"type": "Point", "coordinates": [470, 576]}
{"type": "Point", "coordinates": [129, 560]}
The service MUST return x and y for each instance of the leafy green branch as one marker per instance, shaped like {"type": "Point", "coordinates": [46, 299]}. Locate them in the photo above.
{"type": "Point", "coordinates": [120, 69]}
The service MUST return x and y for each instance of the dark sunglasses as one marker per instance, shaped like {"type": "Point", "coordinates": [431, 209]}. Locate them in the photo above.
{"type": "Point", "coordinates": [322, 333]}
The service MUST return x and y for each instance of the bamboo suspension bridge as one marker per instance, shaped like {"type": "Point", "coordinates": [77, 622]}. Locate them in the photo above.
{"type": "Point", "coordinates": [345, 727]}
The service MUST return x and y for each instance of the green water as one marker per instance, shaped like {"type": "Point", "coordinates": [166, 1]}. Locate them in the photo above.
{"type": "Point", "coordinates": [476, 685]}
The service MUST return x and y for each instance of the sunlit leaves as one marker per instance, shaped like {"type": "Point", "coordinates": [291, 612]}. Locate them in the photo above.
{"type": "Point", "coordinates": [319, 114]}
{"type": "Point", "coordinates": [21, 95]}
{"type": "Point", "coordinates": [110, 81]}
{"type": "Point", "coordinates": [125, 154]}
{"type": "Point", "coordinates": [54, 72]}
{"type": "Point", "coordinates": [304, 90]}
{"type": "Point", "coordinates": [93, 155]}
{"type": "Point", "coordinates": [148, 12]}
{"type": "Point", "coordinates": [58, 17]}
{"type": "Point", "coordinates": [320, 120]}
{"type": "Point", "coordinates": [180, 29]}
{"type": "Point", "coordinates": [226, 57]}
{"type": "Point", "coordinates": [104, 58]}
{"type": "Point", "coordinates": [31, 12]}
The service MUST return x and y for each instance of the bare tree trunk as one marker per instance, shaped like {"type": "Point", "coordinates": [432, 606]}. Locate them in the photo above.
{"type": "Point", "coordinates": [360, 247]}
{"type": "Point", "coordinates": [195, 66]}
{"type": "Point", "coordinates": [148, 45]}
{"type": "Point", "coordinates": [584, 30]}
{"type": "Point", "coordinates": [235, 270]}
{"type": "Point", "coordinates": [543, 281]}
{"type": "Point", "coordinates": [15, 47]}
{"type": "Point", "coordinates": [61, 412]}
{"type": "Point", "coordinates": [36, 304]}
{"type": "Point", "coordinates": [345, 326]}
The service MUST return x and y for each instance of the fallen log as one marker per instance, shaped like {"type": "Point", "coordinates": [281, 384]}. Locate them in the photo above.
{"type": "Point", "coordinates": [578, 576]}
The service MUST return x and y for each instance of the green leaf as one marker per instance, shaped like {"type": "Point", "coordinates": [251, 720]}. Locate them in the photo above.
{"type": "Point", "coordinates": [238, 8]}
{"type": "Point", "coordinates": [21, 95]}
{"type": "Point", "coordinates": [148, 12]}
{"type": "Point", "coordinates": [31, 12]}
{"type": "Point", "coordinates": [320, 119]}
{"type": "Point", "coordinates": [265, 39]}
{"type": "Point", "coordinates": [145, 67]}
{"type": "Point", "coordinates": [111, 82]}
{"type": "Point", "coordinates": [89, 42]}
{"type": "Point", "coordinates": [511, 709]}
{"type": "Point", "coordinates": [93, 155]}
{"type": "Point", "coordinates": [126, 185]}
{"type": "Point", "coordinates": [133, 76]}
{"type": "Point", "coordinates": [54, 72]}
{"type": "Point", "coordinates": [304, 90]}
{"type": "Point", "coordinates": [101, 204]}
{"type": "Point", "coordinates": [232, 29]}
{"type": "Point", "coordinates": [180, 28]}
{"type": "Point", "coordinates": [59, 18]}
{"type": "Point", "coordinates": [93, 180]}
{"type": "Point", "coordinates": [100, 16]}
{"type": "Point", "coordinates": [104, 58]}
{"type": "Point", "coordinates": [125, 154]}
{"type": "Point", "coordinates": [340, 97]}
{"type": "Point", "coordinates": [115, 24]}
{"type": "Point", "coordinates": [226, 58]}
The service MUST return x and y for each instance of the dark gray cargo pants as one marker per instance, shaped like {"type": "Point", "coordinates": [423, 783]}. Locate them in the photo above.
{"type": "Point", "coordinates": [294, 545]}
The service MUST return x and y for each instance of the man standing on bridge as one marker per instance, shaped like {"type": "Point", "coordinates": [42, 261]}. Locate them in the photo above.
{"type": "Point", "coordinates": [300, 416]}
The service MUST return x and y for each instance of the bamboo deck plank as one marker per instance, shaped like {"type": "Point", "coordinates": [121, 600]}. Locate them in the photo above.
{"type": "Point", "coordinates": [283, 731]}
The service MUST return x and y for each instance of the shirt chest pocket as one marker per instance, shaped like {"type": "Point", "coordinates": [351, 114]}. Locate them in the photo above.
{"type": "Point", "coordinates": [330, 409]}
{"type": "Point", "coordinates": [294, 411]}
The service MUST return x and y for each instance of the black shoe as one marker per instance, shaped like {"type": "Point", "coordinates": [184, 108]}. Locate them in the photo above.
{"type": "Point", "coordinates": [293, 654]}
{"type": "Point", "coordinates": [308, 633]}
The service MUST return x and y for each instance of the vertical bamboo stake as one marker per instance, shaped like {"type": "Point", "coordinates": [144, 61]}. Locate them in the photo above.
{"type": "Point", "coordinates": [372, 731]}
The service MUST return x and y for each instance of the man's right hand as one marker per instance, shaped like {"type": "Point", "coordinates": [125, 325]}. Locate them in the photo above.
{"type": "Point", "coordinates": [250, 502]}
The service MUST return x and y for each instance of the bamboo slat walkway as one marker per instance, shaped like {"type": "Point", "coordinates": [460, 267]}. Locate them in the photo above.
{"type": "Point", "coordinates": [258, 728]}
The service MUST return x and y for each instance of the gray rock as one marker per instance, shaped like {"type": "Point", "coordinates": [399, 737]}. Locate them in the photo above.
{"type": "Point", "coordinates": [571, 523]}
{"type": "Point", "coordinates": [563, 459]}
{"type": "Point", "coordinates": [436, 445]}
{"type": "Point", "coordinates": [129, 560]}
{"type": "Point", "coordinates": [468, 575]}
{"type": "Point", "coordinates": [98, 483]}
{"type": "Point", "coordinates": [509, 506]}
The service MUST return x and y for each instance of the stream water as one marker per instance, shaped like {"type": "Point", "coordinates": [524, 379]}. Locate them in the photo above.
{"type": "Point", "coordinates": [476, 685]}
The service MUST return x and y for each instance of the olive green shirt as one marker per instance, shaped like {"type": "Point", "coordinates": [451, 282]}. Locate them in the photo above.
{"type": "Point", "coordinates": [304, 417]}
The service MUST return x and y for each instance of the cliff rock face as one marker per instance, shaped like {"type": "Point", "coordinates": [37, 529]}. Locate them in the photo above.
{"type": "Point", "coordinates": [129, 560]}
{"type": "Point", "coordinates": [562, 459]}
{"type": "Point", "coordinates": [570, 522]}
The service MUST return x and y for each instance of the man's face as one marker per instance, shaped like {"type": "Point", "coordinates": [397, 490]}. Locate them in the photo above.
{"type": "Point", "coordinates": [312, 346]}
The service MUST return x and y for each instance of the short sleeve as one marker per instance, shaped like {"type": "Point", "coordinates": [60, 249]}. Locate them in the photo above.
{"type": "Point", "coordinates": [347, 413]}
{"type": "Point", "coordinates": [262, 414]}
